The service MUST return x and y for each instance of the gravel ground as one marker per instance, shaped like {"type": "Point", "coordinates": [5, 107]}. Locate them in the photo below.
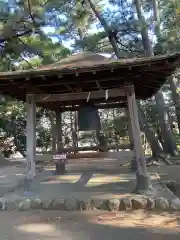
{"type": "Point", "coordinates": [96, 225]}
{"type": "Point", "coordinates": [10, 177]}
{"type": "Point", "coordinates": [52, 225]}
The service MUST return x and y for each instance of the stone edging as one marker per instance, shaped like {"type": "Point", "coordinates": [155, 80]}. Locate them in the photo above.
{"type": "Point", "coordinates": [72, 204]}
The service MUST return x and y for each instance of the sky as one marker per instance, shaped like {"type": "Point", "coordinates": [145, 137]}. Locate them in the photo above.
{"type": "Point", "coordinates": [92, 30]}
{"type": "Point", "coordinates": [51, 30]}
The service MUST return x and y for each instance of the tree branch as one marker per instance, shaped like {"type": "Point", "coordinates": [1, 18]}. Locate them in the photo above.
{"type": "Point", "coordinates": [26, 61]}
{"type": "Point", "coordinates": [30, 13]}
{"type": "Point", "coordinates": [16, 36]}
{"type": "Point", "coordinates": [30, 48]}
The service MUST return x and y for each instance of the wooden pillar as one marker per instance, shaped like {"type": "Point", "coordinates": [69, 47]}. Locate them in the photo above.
{"type": "Point", "coordinates": [74, 131]}
{"type": "Point", "coordinates": [76, 128]}
{"type": "Point", "coordinates": [59, 144]}
{"type": "Point", "coordinates": [60, 164]}
{"type": "Point", "coordinates": [130, 130]}
{"type": "Point", "coordinates": [31, 134]}
{"type": "Point", "coordinates": [115, 131]}
{"type": "Point", "coordinates": [53, 131]}
{"type": "Point", "coordinates": [131, 141]}
{"type": "Point", "coordinates": [142, 176]}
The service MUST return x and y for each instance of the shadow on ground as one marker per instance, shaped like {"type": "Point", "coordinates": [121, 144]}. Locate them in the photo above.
{"type": "Point", "coordinates": [85, 184]}
{"type": "Point", "coordinates": [93, 226]}
{"type": "Point", "coordinates": [86, 179]}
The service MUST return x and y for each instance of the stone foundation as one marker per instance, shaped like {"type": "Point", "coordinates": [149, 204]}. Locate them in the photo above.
{"type": "Point", "coordinates": [72, 204]}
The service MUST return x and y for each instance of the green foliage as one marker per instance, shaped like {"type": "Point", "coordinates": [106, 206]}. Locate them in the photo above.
{"type": "Point", "coordinates": [44, 138]}
{"type": "Point", "coordinates": [24, 45]}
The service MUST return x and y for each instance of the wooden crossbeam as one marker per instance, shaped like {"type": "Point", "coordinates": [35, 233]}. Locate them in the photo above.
{"type": "Point", "coordinates": [66, 97]}
{"type": "Point", "coordinates": [95, 80]}
{"type": "Point", "coordinates": [99, 106]}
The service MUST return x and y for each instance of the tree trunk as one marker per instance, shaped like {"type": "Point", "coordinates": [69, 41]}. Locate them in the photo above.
{"type": "Point", "coordinates": [140, 175]}
{"type": "Point", "coordinates": [170, 120]}
{"type": "Point", "coordinates": [19, 148]}
{"type": "Point", "coordinates": [153, 141]}
{"type": "Point", "coordinates": [148, 51]}
{"type": "Point", "coordinates": [176, 98]}
{"type": "Point", "coordinates": [107, 29]}
{"type": "Point", "coordinates": [166, 130]}
{"type": "Point", "coordinates": [102, 143]}
{"type": "Point", "coordinates": [169, 144]}
{"type": "Point", "coordinates": [168, 138]}
{"type": "Point", "coordinates": [156, 18]}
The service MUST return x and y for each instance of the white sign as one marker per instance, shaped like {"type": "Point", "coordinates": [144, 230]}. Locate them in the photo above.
{"type": "Point", "coordinates": [60, 157]}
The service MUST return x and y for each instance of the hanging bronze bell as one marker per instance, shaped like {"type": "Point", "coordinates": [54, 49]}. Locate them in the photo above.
{"type": "Point", "coordinates": [88, 118]}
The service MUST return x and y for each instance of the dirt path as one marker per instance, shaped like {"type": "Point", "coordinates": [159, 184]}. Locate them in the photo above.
{"type": "Point", "coordinates": [52, 225]}
{"type": "Point", "coordinates": [10, 177]}
{"type": "Point", "coordinates": [169, 173]}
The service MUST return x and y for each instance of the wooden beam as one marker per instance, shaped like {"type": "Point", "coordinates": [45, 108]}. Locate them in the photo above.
{"type": "Point", "coordinates": [130, 129]}
{"type": "Point", "coordinates": [74, 105]}
{"type": "Point", "coordinates": [93, 148]}
{"type": "Point", "coordinates": [98, 85]}
{"type": "Point", "coordinates": [133, 74]}
{"type": "Point", "coordinates": [31, 135]}
{"type": "Point", "coordinates": [99, 106]}
{"type": "Point", "coordinates": [59, 143]}
{"type": "Point", "coordinates": [32, 88]}
{"type": "Point", "coordinates": [69, 88]}
{"type": "Point", "coordinates": [79, 80]}
{"type": "Point", "coordinates": [79, 96]}
{"type": "Point", "coordinates": [177, 62]}
{"type": "Point", "coordinates": [133, 112]}
{"type": "Point", "coordinates": [96, 148]}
